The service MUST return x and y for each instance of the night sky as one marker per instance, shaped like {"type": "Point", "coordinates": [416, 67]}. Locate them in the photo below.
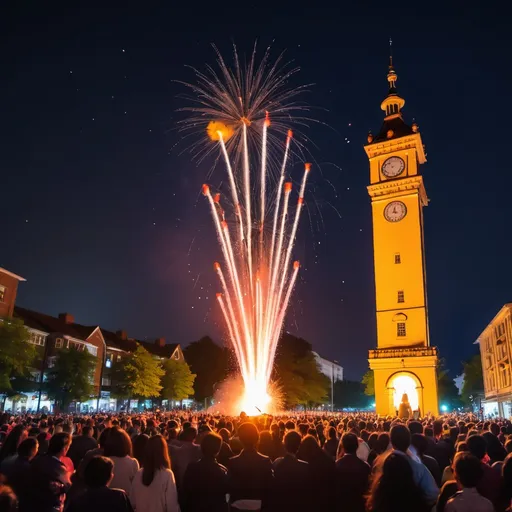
{"type": "Point", "coordinates": [100, 202]}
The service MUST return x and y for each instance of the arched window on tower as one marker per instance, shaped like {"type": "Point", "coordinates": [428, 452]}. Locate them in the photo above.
{"type": "Point", "coordinates": [401, 328]}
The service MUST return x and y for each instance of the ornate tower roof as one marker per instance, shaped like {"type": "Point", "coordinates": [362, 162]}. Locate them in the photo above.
{"type": "Point", "coordinates": [394, 125]}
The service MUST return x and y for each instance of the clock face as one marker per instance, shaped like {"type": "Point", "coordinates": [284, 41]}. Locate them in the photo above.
{"type": "Point", "coordinates": [393, 167]}
{"type": "Point", "coordinates": [395, 211]}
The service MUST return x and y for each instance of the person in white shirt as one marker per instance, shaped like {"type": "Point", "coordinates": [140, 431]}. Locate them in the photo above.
{"type": "Point", "coordinates": [468, 473]}
{"type": "Point", "coordinates": [118, 447]}
{"type": "Point", "coordinates": [154, 487]}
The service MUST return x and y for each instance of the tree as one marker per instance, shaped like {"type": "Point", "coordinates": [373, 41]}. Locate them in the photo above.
{"type": "Point", "coordinates": [137, 375]}
{"type": "Point", "coordinates": [369, 383]}
{"type": "Point", "coordinates": [71, 377]}
{"type": "Point", "coordinates": [350, 394]}
{"type": "Point", "coordinates": [178, 380]}
{"type": "Point", "coordinates": [297, 372]}
{"type": "Point", "coordinates": [210, 363]}
{"type": "Point", "coordinates": [447, 390]}
{"type": "Point", "coordinates": [473, 379]}
{"type": "Point", "coordinates": [16, 353]}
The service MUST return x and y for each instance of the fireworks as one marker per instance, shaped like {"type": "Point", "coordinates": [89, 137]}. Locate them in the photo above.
{"type": "Point", "coordinates": [257, 275]}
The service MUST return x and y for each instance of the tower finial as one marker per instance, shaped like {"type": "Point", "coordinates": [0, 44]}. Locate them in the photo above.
{"type": "Point", "coordinates": [390, 53]}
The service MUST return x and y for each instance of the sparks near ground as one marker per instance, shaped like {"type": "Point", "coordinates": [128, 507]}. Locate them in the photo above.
{"type": "Point", "coordinates": [257, 275]}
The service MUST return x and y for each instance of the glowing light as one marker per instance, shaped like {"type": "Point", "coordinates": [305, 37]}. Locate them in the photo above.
{"type": "Point", "coordinates": [217, 130]}
{"type": "Point", "coordinates": [444, 408]}
{"type": "Point", "coordinates": [248, 109]}
{"type": "Point", "coordinates": [404, 384]}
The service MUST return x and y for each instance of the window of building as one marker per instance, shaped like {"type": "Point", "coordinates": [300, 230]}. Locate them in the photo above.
{"type": "Point", "coordinates": [91, 349]}
{"type": "Point", "coordinates": [397, 259]}
{"type": "Point", "coordinates": [400, 329]}
{"type": "Point", "coordinates": [108, 363]}
{"type": "Point", "coordinates": [37, 339]}
{"type": "Point", "coordinates": [400, 297]}
{"type": "Point", "coordinates": [59, 343]}
{"type": "Point", "coordinates": [106, 381]}
{"type": "Point", "coordinates": [3, 289]}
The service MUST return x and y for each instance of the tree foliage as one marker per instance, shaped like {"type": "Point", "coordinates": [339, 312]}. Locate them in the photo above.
{"type": "Point", "coordinates": [177, 381]}
{"type": "Point", "coordinates": [350, 394]}
{"type": "Point", "coordinates": [71, 376]}
{"type": "Point", "coordinates": [448, 392]}
{"type": "Point", "coordinates": [210, 363]}
{"type": "Point", "coordinates": [473, 379]}
{"type": "Point", "coordinates": [137, 375]}
{"type": "Point", "coordinates": [297, 372]}
{"type": "Point", "coordinates": [368, 382]}
{"type": "Point", "coordinates": [16, 353]}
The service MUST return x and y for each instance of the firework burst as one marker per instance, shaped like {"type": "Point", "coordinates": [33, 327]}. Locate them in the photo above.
{"type": "Point", "coordinates": [244, 113]}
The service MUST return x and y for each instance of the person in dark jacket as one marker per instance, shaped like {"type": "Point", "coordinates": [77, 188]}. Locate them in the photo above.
{"type": "Point", "coordinates": [16, 471]}
{"type": "Point", "coordinates": [99, 497]}
{"type": "Point", "coordinates": [205, 483]}
{"type": "Point", "coordinates": [322, 472]}
{"type": "Point", "coordinates": [352, 476]}
{"type": "Point", "coordinates": [292, 488]}
{"type": "Point", "coordinates": [48, 480]}
{"type": "Point", "coordinates": [81, 445]}
{"type": "Point", "coordinates": [420, 444]}
{"type": "Point", "coordinates": [489, 485]}
{"type": "Point", "coordinates": [250, 473]}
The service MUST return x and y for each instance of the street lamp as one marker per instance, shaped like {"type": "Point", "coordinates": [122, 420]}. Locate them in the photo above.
{"type": "Point", "coordinates": [332, 384]}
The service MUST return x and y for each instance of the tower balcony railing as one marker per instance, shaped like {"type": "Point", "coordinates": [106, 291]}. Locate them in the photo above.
{"type": "Point", "coordinates": [382, 353]}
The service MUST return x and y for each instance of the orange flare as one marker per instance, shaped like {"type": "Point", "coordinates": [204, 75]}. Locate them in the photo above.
{"type": "Point", "coordinates": [216, 266]}
{"type": "Point", "coordinates": [218, 295]}
{"type": "Point", "coordinates": [245, 121]}
{"type": "Point", "coordinates": [288, 186]}
{"type": "Point", "coordinates": [290, 134]}
{"type": "Point", "coordinates": [308, 167]}
{"type": "Point", "coordinates": [217, 130]}
{"type": "Point", "coordinates": [224, 224]}
{"type": "Point", "coordinates": [216, 198]}
{"type": "Point", "coordinates": [296, 264]}
{"type": "Point", "coordinates": [206, 189]}
{"type": "Point", "coordinates": [267, 119]}
{"type": "Point", "coordinates": [301, 200]}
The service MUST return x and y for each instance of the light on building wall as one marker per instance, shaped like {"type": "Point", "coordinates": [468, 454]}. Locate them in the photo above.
{"type": "Point", "coordinates": [444, 408]}
{"type": "Point", "coordinates": [108, 363]}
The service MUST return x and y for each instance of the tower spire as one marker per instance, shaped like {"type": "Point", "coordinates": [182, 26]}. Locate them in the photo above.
{"type": "Point", "coordinates": [393, 103]}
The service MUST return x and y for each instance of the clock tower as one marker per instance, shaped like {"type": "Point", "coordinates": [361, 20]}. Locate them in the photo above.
{"type": "Point", "coordinates": [404, 362]}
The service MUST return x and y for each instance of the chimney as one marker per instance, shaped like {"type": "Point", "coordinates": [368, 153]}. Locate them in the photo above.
{"type": "Point", "coordinates": [122, 334]}
{"type": "Point", "coordinates": [67, 318]}
{"type": "Point", "coordinates": [160, 342]}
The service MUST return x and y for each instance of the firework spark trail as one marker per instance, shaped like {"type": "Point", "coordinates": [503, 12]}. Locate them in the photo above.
{"type": "Point", "coordinates": [234, 193]}
{"type": "Point", "coordinates": [291, 240]}
{"type": "Point", "coordinates": [256, 277]}
{"type": "Point", "coordinates": [247, 192]}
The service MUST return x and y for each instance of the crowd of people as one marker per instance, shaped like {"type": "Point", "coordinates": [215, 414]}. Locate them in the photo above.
{"type": "Point", "coordinates": [190, 462]}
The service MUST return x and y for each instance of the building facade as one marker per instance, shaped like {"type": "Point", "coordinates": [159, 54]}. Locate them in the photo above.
{"type": "Point", "coordinates": [495, 344]}
{"type": "Point", "coordinates": [404, 361]}
{"type": "Point", "coordinates": [331, 369]}
{"type": "Point", "coordinates": [50, 334]}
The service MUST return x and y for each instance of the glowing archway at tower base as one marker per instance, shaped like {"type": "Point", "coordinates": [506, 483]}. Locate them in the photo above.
{"type": "Point", "coordinates": [404, 383]}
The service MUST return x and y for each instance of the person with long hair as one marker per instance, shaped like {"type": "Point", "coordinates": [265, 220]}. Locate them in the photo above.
{"type": "Point", "coordinates": [140, 441]}
{"type": "Point", "coordinates": [118, 447]}
{"type": "Point", "coordinates": [154, 487]}
{"type": "Point", "coordinates": [18, 434]}
{"type": "Point", "coordinates": [394, 489]}
{"type": "Point", "coordinates": [322, 469]}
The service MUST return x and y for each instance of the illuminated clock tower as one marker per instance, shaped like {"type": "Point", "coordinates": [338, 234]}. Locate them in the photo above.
{"type": "Point", "coordinates": [404, 361]}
